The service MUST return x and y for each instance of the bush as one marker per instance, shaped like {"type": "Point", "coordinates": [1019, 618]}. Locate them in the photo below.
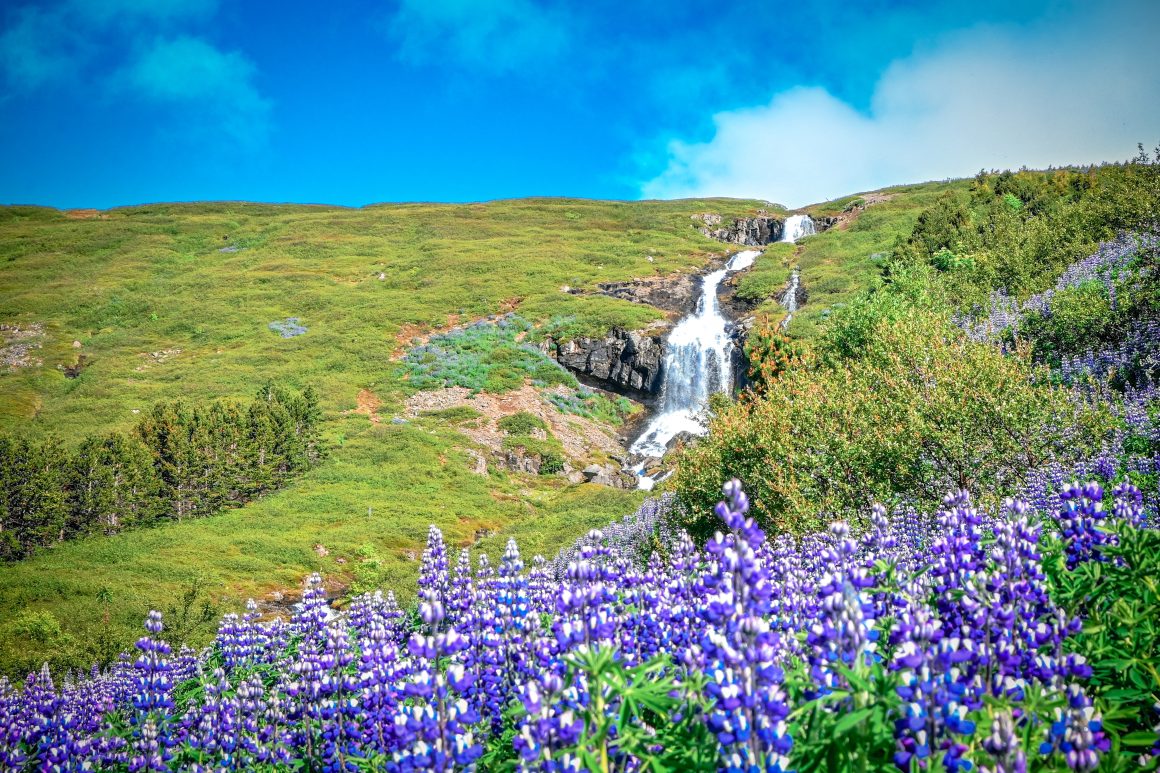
{"type": "Point", "coordinates": [522, 423]}
{"type": "Point", "coordinates": [594, 405]}
{"type": "Point", "coordinates": [1118, 597]}
{"type": "Point", "coordinates": [920, 411]}
{"type": "Point", "coordinates": [459, 414]}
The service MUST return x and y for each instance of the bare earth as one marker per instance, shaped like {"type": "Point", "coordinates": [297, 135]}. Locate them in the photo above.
{"type": "Point", "coordinates": [580, 437]}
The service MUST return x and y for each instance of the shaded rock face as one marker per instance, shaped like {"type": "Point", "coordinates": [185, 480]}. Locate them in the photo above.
{"type": "Point", "coordinates": [623, 360]}
{"type": "Point", "coordinates": [608, 475]}
{"type": "Point", "coordinates": [739, 334]}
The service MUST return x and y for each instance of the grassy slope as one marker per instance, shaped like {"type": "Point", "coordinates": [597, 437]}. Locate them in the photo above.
{"type": "Point", "coordinates": [837, 264]}
{"type": "Point", "coordinates": [152, 278]}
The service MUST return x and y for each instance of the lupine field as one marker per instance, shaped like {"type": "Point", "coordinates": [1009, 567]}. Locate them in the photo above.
{"type": "Point", "coordinates": [935, 638]}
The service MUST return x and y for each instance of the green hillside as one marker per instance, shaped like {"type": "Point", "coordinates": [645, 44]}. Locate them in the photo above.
{"type": "Point", "coordinates": [137, 305]}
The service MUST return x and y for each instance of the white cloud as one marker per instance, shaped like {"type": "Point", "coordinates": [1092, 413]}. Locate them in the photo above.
{"type": "Point", "coordinates": [55, 42]}
{"type": "Point", "coordinates": [133, 50]}
{"type": "Point", "coordinates": [499, 35]}
{"type": "Point", "coordinates": [193, 75]}
{"type": "Point", "coordinates": [1083, 91]}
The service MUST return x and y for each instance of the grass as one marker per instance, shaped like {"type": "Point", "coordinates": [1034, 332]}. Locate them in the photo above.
{"type": "Point", "coordinates": [161, 312]}
{"type": "Point", "coordinates": [838, 263]}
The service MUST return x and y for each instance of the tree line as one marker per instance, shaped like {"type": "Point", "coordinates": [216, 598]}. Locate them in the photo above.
{"type": "Point", "coordinates": [180, 461]}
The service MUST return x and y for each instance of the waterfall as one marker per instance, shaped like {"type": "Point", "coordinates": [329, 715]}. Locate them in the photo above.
{"type": "Point", "coordinates": [698, 362]}
{"type": "Point", "coordinates": [789, 300]}
{"type": "Point", "coordinates": [797, 226]}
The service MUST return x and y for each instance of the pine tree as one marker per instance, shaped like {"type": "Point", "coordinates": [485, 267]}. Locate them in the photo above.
{"type": "Point", "coordinates": [35, 509]}
{"type": "Point", "coordinates": [113, 485]}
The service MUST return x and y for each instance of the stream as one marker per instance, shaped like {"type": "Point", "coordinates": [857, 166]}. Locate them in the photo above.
{"type": "Point", "coordinates": [698, 359]}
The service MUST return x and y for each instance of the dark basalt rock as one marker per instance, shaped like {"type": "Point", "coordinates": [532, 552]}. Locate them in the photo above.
{"type": "Point", "coordinates": [756, 231]}
{"type": "Point", "coordinates": [622, 361]}
{"type": "Point", "coordinates": [739, 334]}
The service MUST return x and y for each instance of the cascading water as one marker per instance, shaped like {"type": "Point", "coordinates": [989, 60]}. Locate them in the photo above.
{"type": "Point", "coordinates": [789, 300]}
{"type": "Point", "coordinates": [697, 363]}
{"type": "Point", "coordinates": [796, 227]}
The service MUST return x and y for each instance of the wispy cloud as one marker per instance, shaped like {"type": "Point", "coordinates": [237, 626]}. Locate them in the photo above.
{"type": "Point", "coordinates": [1084, 89]}
{"type": "Point", "coordinates": [138, 50]}
{"type": "Point", "coordinates": [36, 48]}
{"type": "Point", "coordinates": [193, 75]}
{"type": "Point", "coordinates": [496, 35]}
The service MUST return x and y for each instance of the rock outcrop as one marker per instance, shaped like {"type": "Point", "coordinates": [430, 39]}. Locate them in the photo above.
{"type": "Point", "coordinates": [756, 231]}
{"type": "Point", "coordinates": [675, 293]}
{"type": "Point", "coordinates": [623, 360]}
{"type": "Point", "coordinates": [608, 475]}
{"type": "Point", "coordinates": [747, 231]}
{"type": "Point", "coordinates": [739, 335]}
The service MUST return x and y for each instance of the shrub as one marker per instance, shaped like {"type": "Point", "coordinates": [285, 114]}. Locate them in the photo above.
{"type": "Point", "coordinates": [920, 411]}
{"type": "Point", "coordinates": [548, 450]}
{"type": "Point", "coordinates": [594, 405]}
{"type": "Point", "coordinates": [522, 423]}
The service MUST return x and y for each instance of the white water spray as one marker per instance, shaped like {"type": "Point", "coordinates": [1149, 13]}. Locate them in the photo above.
{"type": "Point", "coordinates": [789, 300]}
{"type": "Point", "coordinates": [796, 227]}
{"type": "Point", "coordinates": [698, 362]}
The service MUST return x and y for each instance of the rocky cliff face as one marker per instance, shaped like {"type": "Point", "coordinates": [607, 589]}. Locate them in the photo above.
{"type": "Point", "coordinates": [754, 231]}
{"type": "Point", "coordinates": [623, 360]}
{"type": "Point", "coordinates": [739, 335]}
{"type": "Point", "coordinates": [746, 231]}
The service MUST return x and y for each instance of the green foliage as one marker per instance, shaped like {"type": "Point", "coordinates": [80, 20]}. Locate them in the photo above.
{"type": "Point", "coordinates": [485, 356]}
{"type": "Point", "coordinates": [548, 450]}
{"type": "Point", "coordinates": [194, 611]}
{"type": "Point", "coordinates": [1082, 319]}
{"type": "Point", "coordinates": [848, 729]}
{"type": "Point", "coordinates": [1016, 231]}
{"type": "Point", "coordinates": [769, 275]}
{"type": "Point", "coordinates": [631, 709]}
{"type": "Point", "coordinates": [1078, 319]}
{"type": "Point", "coordinates": [459, 414]}
{"type": "Point", "coordinates": [521, 423]}
{"type": "Point", "coordinates": [179, 462]}
{"type": "Point", "coordinates": [770, 353]}
{"type": "Point", "coordinates": [918, 411]}
{"type": "Point", "coordinates": [1013, 202]}
{"type": "Point", "coordinates": [594, 405]}
{"type": "Point", "coordinates": [1119, 600]}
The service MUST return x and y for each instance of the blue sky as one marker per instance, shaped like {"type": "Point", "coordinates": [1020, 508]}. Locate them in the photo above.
{"type": "Point", "coordinates": [110, 102]}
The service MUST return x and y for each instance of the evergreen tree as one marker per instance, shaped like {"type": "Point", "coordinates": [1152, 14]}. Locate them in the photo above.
{"type": "Point", "coordinates": [35, 509]}
{"type": "Point", "coordinates": [112, 485]}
